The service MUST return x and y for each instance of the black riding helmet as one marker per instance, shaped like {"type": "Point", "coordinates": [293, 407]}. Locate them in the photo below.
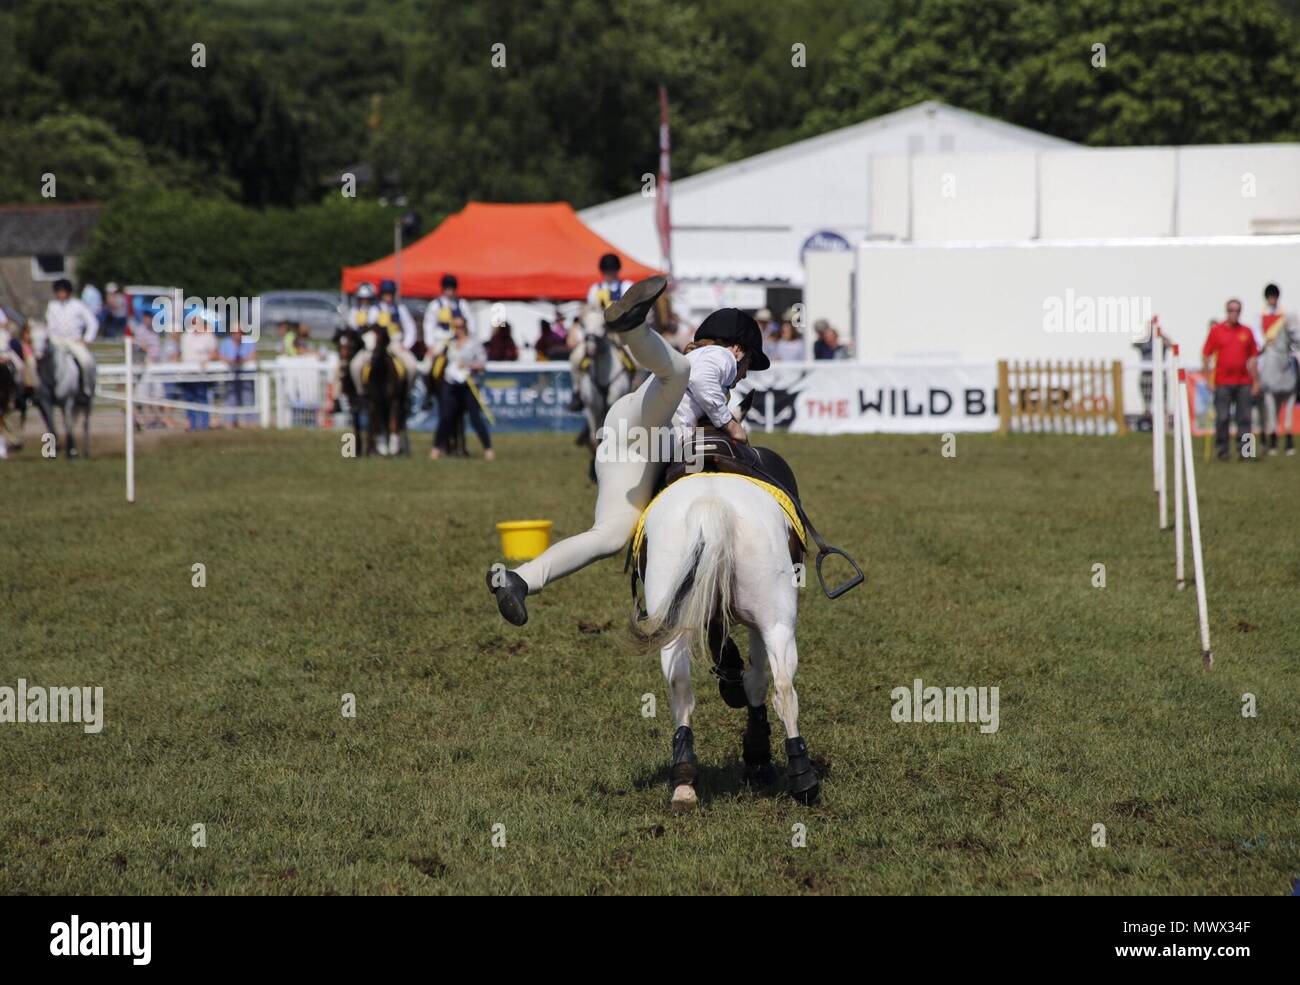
{"type": "Point", "coordinates": [733, 327]}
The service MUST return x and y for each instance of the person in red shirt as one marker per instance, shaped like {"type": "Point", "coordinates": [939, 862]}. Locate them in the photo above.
{"type": "Point", "coordinates": [1235, 378]}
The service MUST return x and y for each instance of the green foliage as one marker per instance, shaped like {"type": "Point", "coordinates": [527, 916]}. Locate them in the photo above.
{"type": "Point", "coordinates": [1175, 72]}
{"type": "Point", "coordinates": [215, 247]}
{"type": "Point", "coordinates": [89, 160]}
{"type": "Point", "coordinates": [296, 91]}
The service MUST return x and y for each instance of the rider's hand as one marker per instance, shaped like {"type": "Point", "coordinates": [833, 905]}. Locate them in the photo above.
{"type": "Point", "coordinates": [736, 432]}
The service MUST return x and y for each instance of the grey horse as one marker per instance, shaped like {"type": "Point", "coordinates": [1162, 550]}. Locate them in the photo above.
{"type": "Point", "coordinates": [608, 374]}
{"type": "Point", "coordinates": [59, 384]}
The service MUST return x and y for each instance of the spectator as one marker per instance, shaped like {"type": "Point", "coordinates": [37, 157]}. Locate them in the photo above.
{"type": "Point", "coordinates": [198, 346]}
{"type": "Point", "coordinates": [289, 337]}
{"type": "Point", "coordinates": [116, 310]}
{"type": "Point", "coordinates": [145, 335]}
{"type": "Point", "coordinates": [769, 328]}
{"type": "Point", "coordinates": [238, 353]}
{"type": "Point", "coordinates": [465, 357]}
{"type": "Point", "coordinates": [551, 344]}
{"type": "Point", "coordinates": [94, 300]}
{"type": "Point", "coordinates": [1235, 380]}
{"type": "Point", "coordinates": [828, 344]}
{"type": "Point", "coordinates": [501, 347]}
{"type": "Point", "coordinates": [789, 344]}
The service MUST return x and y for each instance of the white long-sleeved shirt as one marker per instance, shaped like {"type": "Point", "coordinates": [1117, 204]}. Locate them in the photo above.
{"type": "Point", "coordinates": [461, 356]}
{"type": "Point", "coordinates": [713, 373]}
{"type": "Point", "coordinates": [71, 320]}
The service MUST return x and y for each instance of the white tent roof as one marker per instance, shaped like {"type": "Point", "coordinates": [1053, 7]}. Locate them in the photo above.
{"type": "Point", "coordinates": [747, 220]}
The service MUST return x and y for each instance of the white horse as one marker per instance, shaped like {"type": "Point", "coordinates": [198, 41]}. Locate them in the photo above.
{"type": "Point", "coordinates": [719, 549]}
{"type": "Point", "coordinates": [59, 384]}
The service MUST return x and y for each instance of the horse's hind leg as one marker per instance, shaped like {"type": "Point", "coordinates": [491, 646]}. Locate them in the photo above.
{"type": "Point", "coordinates": [676, 661]}
{"type": "Point", "coordinates": [756, 740]}
{"type": "Point", "coordinates": [85, 430]}
{"type": "Point", "coordinates": [69, 423]}
{"type": "Point", "coordinates": [783, 660]}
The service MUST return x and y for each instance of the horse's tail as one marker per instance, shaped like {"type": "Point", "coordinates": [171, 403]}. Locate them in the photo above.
{"type": "Point", "coordinates": [701, 588]}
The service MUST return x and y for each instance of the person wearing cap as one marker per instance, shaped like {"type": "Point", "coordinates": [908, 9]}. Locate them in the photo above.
{"type": "Point", "coordinates": [398, 314]}
{"type": "Point", "coordinates": [604, 292]}
{"type": "Point", "coordinates": [440, 313]}
{"type": "Point", "coordinates": [625, 475]}
{"type": "Point", "coordinates": [73, 326]}
{"type": "Point", "coordinates": [765, 324]}
{"type": "Point", "coordinates": [727, 345]}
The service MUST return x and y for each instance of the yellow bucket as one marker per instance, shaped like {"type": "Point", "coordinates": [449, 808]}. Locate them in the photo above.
{"type": "Point", "coordinates": [523, 540]}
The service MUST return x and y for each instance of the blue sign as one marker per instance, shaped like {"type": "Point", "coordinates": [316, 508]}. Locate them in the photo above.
{"type": "Point", "coordinates": [523, 400]}
{"type": "Point", "coordinates": [825, 241]}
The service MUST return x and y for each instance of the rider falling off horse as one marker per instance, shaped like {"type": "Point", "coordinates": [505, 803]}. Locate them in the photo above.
{"type": "Point", "coordinates": [680, 390]}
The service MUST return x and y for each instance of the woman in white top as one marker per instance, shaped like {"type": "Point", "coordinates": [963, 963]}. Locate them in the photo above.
{"type": "Point", "coordinates": [465, 356]}
{"type": "Point", "coordinates": [626, 468]}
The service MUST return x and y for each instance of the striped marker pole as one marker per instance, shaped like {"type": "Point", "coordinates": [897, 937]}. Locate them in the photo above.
{"type": "Point", "coordinates": [1194, 519]}
{"type": "Point", "coordinates": [1179, 412]}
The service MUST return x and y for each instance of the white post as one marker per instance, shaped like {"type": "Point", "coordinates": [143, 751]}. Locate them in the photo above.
{"type": "Point", "coordinates": [1158, 421]}
{"type": "Point", "coordinates": [264, 397]}
{"type": "Point", "coordinates": [130, 418]}
{"type": "Point", "coordinates": [1194, 519]}
{"type": "Point", "coordinates": [1180, 411]}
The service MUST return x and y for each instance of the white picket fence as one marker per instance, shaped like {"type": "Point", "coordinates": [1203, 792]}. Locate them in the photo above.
{"type": "Point", "coordinates": [284, 392]}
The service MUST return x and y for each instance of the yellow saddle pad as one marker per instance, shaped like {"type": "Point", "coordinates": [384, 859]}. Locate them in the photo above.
{"type": "Point", "coordinates": [787, 507]}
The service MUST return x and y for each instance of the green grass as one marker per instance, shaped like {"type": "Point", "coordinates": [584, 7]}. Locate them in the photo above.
{"type": "Point", "coordinates": [328, 576]}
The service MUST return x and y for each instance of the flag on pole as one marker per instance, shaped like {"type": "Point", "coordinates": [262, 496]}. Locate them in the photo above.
{"type": "Point", "coordinates": [663, 217]}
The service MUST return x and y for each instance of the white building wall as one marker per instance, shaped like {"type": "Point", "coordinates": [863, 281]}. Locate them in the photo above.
{"type": "Point", "coordinates": [1239, 189]}
{"type": "Point", "coordinates": [755, 214]}
{"type": "Point", "coordinates": [1112, 192]}
{"type": "Point", "coordinates": [973, 196]}
{"type": "Point", "coordinates": [977, 303]}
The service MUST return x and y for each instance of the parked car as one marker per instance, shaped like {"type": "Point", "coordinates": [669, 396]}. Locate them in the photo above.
{"type": "Point", "coordinates": [322, 313]}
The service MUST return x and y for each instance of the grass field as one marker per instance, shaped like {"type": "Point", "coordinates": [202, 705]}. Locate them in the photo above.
{"type": "Point", "coordinates": [327, 576]}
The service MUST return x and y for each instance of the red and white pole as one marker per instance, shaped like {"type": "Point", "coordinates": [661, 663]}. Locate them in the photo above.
{"type": "Point", "coordinates": [1179, 412]}
{"type": "Point", "coordinates": [1194, 519]}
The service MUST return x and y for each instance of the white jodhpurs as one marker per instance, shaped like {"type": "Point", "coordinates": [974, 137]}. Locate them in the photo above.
{"type": "Point", "coordinates": [624, 482]}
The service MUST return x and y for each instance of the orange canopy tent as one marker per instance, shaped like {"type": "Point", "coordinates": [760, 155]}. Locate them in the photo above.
{"type": "Point", "coordinates": [502, 252]}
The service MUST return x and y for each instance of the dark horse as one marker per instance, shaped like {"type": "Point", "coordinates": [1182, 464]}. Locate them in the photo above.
{"type": "Point", "coordinates": [387, 385]}
{"type": "Point", "coordinates": [348, 342]}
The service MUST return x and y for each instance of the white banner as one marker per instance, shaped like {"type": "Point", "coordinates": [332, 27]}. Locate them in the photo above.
{"type": "Point", "coordinates": [853, 398]}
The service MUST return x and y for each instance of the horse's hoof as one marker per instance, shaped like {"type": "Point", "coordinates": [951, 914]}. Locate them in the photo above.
{"type": "Point", "coordinates": [759, 775]}
{"type": "Point", "coordinates": [808, 796]}
{"type": "Point", "coordinates": [684, 799]}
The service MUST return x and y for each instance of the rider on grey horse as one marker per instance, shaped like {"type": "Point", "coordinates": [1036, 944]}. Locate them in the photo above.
{"type": "Point", "coordinates": [1277, 369]}
{"type": "Point", "coordinates": [610, 288]}
{"type": "Point", "coordinates": [72, 326]}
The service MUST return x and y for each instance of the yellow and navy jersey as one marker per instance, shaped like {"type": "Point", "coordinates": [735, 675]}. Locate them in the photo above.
{"type": "Point", "coordinates": [603, 293]}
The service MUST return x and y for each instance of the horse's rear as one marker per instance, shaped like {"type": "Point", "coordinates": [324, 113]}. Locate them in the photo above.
{"type": "Point", "coordinates": [718, 552]}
